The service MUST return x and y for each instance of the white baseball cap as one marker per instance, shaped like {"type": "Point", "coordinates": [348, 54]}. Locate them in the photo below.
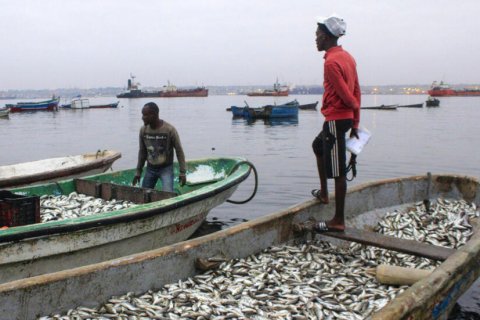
{"type": "Point", "coordinates": [336, 25]}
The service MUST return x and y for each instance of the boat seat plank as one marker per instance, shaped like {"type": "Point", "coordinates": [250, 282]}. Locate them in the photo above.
{"type": "Point", "coordinates": [392, 243]}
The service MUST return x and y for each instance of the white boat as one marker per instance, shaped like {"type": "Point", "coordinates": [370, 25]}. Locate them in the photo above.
{"type": "Point", "coordinates": [4, 112]}
{"type": "Point", "coordinates": [52, 169]}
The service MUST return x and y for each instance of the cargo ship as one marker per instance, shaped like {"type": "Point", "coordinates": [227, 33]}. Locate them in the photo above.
{"type": "Point", "coordinates": [168, 91]}
{"type": "Point", "coordinates": [278, 91]}
{"type": "Point", "coordinates": [444, 90]}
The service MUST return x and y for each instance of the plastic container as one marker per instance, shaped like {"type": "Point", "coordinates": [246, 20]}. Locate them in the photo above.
{"type": "Point", "coordinates": [18, 210]}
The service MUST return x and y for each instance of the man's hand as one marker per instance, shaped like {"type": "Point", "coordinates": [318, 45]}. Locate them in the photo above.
{"type": "Point", "coordinates": [136, 180]}
{"type": "Point", "coordinates": [183, 179]}
{"type": "Point", "coordinates": [354, 133]}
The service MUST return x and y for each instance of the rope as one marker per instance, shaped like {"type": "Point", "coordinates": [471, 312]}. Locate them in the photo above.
{"type": "Point", "coordinates": [352, 166]}
{"type": "Point", "coordinates": [256, 181]}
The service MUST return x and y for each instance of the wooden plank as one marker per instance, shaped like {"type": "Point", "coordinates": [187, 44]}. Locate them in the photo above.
{"type": "Point", "coordinates": [392, 243]}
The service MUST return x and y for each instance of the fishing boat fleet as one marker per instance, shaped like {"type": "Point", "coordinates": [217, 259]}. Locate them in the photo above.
{"type": "Point", "coordinates": [53, 105]}
{"type": "Point", "coordinates": [77, 241]}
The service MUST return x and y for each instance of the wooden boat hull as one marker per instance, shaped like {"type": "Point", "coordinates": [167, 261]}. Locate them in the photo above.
{"type": "Point", "coordinates": [416, 105]}
{"type": "Point", "coordinates": [430, 298]}
{"type": "Point", "coordinates": [30, 250]}
{"type": "Point", "coordinates": [309, 106]}
{"type": "Point", "coordinates": [4, 112]}
{"type": "Point", "coordinates": [382, 107]}
{"type": "Point", "coordinates": [105, 106]}
{"type": "Point", "coordinates": [42, 171]}
{"type": "Point", "coordinates": [98, 106]}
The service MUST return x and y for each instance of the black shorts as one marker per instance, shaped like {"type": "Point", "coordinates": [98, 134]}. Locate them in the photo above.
{"type": "Point", "coordinates": [330, 145]}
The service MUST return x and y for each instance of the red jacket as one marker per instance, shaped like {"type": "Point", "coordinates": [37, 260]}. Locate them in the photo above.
{"type": "Point", "coordinates": [341, 99]}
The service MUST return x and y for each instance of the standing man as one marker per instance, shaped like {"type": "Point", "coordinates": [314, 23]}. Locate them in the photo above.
{"type": "Point", "coordinates": [158, 138]}
{"type": "Point", "coordinates": [341, 109]}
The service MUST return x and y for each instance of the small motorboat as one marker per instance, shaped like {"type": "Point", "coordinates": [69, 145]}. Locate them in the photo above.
{"type": "Point", "coordinates": [432, 102]}
{"type": "Point", "coordinates": [416, 105]}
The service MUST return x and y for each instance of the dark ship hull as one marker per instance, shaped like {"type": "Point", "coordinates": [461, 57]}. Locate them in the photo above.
{"type": "Point", "coordinates": [197, 92]}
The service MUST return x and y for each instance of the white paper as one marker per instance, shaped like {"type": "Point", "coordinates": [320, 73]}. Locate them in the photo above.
{"type": "Point", "coordinates": [355, 145]}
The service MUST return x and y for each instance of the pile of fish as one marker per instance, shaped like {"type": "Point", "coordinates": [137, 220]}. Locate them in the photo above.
{"type": "Point", "coordinates": [76, 205]}
{"type": "Point", "coordinates": [313, 280]}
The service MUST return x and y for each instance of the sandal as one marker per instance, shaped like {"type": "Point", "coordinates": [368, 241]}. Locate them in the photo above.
{"type": "Point", "coordinates": [317, 193]}
{"type": "Point", "coordinates": [322, 227]}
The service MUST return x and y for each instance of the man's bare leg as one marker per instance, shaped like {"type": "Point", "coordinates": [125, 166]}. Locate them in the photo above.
{"type": "Point", "coordinates": [323, 180]}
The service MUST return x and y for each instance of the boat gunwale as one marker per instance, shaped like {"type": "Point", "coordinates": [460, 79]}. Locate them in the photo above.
{"type": "Point", "coordinates": [139, 212]}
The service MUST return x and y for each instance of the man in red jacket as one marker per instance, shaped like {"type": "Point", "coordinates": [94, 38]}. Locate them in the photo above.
{"type": "Point", "coordinates": [341, 109]}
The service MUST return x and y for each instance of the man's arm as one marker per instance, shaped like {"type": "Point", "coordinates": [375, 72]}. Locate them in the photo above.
{"type": "Point", "coordinates": [180, 156]}
{"type": "Point", "coordinates": [358, 96]}
{"type": "Point", "coordinates": [142, 157]}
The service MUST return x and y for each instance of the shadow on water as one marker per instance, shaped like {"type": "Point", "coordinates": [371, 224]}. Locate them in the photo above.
{"type": "Point", "coordinates": [293, 121]}
{"type": "Point", "coordinates": [214, 225]}
{"type": "Point", "coordinates": [459, 313]}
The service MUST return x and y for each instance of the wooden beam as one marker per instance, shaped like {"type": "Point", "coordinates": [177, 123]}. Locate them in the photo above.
{"type": "Point", "coordinates": [412, 247]}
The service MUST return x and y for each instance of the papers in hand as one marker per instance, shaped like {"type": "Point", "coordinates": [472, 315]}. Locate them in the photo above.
{"type": "Point", "coordinates": [355, 145]}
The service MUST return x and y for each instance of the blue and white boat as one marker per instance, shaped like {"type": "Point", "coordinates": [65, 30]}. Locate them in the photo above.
{"type": "Point", "coordinates": [48, 105]}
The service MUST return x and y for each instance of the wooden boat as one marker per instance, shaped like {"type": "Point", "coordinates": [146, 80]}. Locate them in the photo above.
{"type": "Point", "coordinates": [83, 103]}
{"type": "Point", "coordinates": [52, 169]}
{"type": "Point", "coordinates": [48, 105]}
{"type": "Point", "coordinates": [287, 110]}
{"type": "Point", "coordinates": [430, 298]}
{"type": "Point", "coordinates": [308, 106]}
{"type": "Point", "coordinates": [382, 107]}
{"type": "Point", "coordinates": [4, 112]}
{"type": "Point", "coordinates": [416, 105]}
{"type": "Point", "coordinates": [158, 219]}
{"type": "Point", "coordinates": [432, 102]}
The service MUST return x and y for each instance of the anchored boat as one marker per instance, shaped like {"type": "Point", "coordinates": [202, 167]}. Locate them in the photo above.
{"type": "Point", "coordinates": [430, 298]}
{"type": "Point", "coordinates": [287, 110]}
{"type": "Point", "coordinates": [52, 169]}
{"type": "Point", "coordinates": [382, 107]}
{"type": "Point", "coordinates": [84, 103]}
{"type": "Point", "coordinates": [48, 105]}
{"type": "Point", "coordinates": [157, 219]}
{"type": "Point", "coordinates": [4, 112]}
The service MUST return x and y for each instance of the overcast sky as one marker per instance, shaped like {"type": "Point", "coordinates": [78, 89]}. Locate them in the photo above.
{"type": "Point", "coordinates": [51, 44]}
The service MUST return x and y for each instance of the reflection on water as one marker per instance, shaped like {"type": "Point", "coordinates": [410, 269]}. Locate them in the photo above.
{"type": "Point", "coordinates": [267, 122]}
{"type": "Point", "coordinates": [407, 142]}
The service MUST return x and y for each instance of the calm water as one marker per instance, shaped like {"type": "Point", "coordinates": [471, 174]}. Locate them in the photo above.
{"type": "Point", "coordinates": [404, 142]}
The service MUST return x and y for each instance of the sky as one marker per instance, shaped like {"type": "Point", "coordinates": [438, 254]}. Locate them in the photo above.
{"type": "Point", "coordinates": [51, 44]}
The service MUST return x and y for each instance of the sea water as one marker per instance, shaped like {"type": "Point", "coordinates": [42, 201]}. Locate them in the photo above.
{"type": "Point", "coordinates": [405, 142]}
